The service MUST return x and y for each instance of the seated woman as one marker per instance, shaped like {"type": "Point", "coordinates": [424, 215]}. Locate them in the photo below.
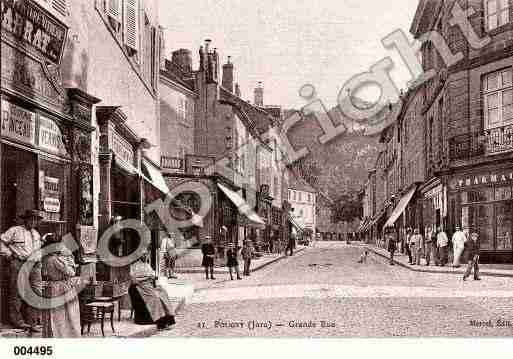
{"type": "Point", "coordinates": [150, 302]}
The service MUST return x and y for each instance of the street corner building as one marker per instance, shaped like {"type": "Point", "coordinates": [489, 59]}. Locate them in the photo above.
{"type": "Point", "coordinates": [79, 126]}
{"type": "Point", "coordinates": [447, 157]}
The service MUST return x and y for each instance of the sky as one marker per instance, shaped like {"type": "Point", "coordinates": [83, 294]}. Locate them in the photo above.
{"type": "Point", "coordinates": [289, 43]}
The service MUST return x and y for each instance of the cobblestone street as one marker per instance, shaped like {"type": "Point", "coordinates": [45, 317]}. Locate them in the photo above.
{"type": "Point", "coordinates": [323, 292]}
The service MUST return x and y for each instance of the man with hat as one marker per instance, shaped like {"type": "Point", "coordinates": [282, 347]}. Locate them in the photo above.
{"type": "Point", "coordinates": [21, 242]}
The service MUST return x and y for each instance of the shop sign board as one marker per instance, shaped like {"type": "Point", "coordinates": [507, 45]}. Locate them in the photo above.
{"type": "Point", "coordinates": [17, 123]}
{"type": "Point", "coordinates": [51, 137]}
{"type": "Point", "coordinates": [33, 26]}
{"type": "Point", "coordinates": [51, 195]}
{"type": "Point", "coordinates": [122, 149]}
{"type": "Point", "coordinates": [485, 179]}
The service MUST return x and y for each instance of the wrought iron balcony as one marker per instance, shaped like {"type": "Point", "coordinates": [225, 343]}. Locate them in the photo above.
{"type": "Point", "coordinates": [488, 142]}
{"type": "Point", "coordinates": [466, 146]}
{"type": "Point", "coordinates": [499, 140]}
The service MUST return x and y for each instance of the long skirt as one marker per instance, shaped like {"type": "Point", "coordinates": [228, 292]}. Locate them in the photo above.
{"type": "Point", "coordinates": [458, 251]}
{"type": "Point", "coordinates": [151, 305]}
{"type": "Point", "coordinates": [62, 321]}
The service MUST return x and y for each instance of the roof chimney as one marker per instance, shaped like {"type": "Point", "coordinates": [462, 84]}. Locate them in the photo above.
{"type": "Point", "coordinates": [259, 95]}
{"type": "Point", "coordinates": [183, 59]}
{"type": "Point", "coordinates": [228, 75]}
{"type": "Point", "coordinates": [207, 45]}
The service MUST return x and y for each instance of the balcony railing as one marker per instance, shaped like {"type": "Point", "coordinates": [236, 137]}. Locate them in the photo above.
{"type": "Point", "coordinates": [466, 146]}
{"type": "Point", "coordinates": [499, 139]}
{"type": "Point", "coordinates": [488, 142]}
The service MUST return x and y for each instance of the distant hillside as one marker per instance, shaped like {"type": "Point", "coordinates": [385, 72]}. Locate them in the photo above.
{"type": "Point", "coordinates": [340, 166]}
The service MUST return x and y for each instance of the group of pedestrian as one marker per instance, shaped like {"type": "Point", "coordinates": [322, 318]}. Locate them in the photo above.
{"type": "Point", "coordinates": [436, 244]}
{"type": "Point", "coordinates": [232, 258]}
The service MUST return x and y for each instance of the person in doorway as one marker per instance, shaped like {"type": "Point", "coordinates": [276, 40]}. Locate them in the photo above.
{"type": "Point", "coordinates": [58, 269]}
{"type": "Point", "coordinates": [208, 250]}
{"type": "Point", "coordinates": [407, 243]}
{"type": "Point", "coordinates": [170, 255]}
{"type": "Point", "coordinates": [442, 245]}
{"type": "Point", "coordinates": [150, 301]}
{"type": "Point", "coordinates": [233, 261]}
{"type": "Point", "coordinates": [247, 255]}
{"type": "Point", "coordinates": [20, 243]}
{"type": "Point", "coordinates": [458, 245]}
{"type": "Point", "coordinates": [472, 248]}
{"type": "Point", "coordinates": [390, 238]}
{"type": "Point", "coordinates": [416, 245]}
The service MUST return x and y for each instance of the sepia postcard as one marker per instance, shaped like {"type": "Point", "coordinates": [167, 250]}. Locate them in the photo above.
{"type": "Point", "coordinates": [223, 169]}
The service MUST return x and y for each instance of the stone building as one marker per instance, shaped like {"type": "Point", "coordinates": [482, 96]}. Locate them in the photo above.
{"type": "Point", "coordinates": [468, 111]}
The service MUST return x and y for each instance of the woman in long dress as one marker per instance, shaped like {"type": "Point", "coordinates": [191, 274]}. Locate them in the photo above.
{"type": "Point", "coordinates": [62, 321]}
{"type": "Point", "coordinates": [149, 301]}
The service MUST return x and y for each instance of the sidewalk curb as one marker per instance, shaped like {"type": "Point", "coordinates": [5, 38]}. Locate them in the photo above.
{"type": "Point", "coordinates": [224, 270]}
{"type": "Point", "coordinates": [458, 271]}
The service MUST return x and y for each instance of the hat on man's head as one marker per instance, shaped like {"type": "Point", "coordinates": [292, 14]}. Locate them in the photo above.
{"type": "Point", "coordinates": [32, 213]}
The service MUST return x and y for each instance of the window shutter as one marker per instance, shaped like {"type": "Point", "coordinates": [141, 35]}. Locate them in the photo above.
{"type": "Point", "coordinates": [131, 24]}
{"type": "Point", "coordinates": [114, 9]}
{"type": "Point", "coordinates": [60, 7]}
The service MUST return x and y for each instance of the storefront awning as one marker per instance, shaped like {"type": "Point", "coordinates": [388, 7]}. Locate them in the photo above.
{"type": "Point", "coordinates": [243, 207]}
{"type": "Point", "coordinates": [154, 176]}
{"type": "Point", "coordinates": [399, 209]}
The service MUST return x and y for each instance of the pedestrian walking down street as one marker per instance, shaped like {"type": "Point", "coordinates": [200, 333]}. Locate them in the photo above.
{"type": "Point", "coordinates": [442, 244]}
{"type": "Point", "coordinates": [390, 237]}
{"type": "Point", "coordinates": [428, 245]}
{"type": "Point", "coordinates": [232, 261]}
{"type": "Point", "coordinates": [247, 255]}
{"type": "Point", "coordinates": [19, 243]}
{"type": "Point", "coordinates": [458, 245]}
{"type": "Point", "coordinates": [209, 252]}
{"type": "Point", "coordinates": [416, 246]}
{"type": "Point", "coordinates": [170, 255]}
{"type": "Point", "coordinates": [472, 249]}
{"type": "Point", "coordinates": [292, 243]}
{"type": "Point", "coordinates": [363, 257]}
{"type": "Point", "coordinates": [407, 243]}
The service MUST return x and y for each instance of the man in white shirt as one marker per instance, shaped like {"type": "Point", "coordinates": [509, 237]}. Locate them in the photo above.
{"type": "Point", "coordinates": [22, 242]}
{"type": "Point", "coordinates": [458, 244]}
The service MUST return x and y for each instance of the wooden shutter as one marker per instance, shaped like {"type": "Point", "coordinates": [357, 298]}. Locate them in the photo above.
{"type": "Point", "coordinates": [131, 24]}
{"type": "Point", "coordinates": [60, 7]}
{"type": "Point", "coordinates": [114, 9]}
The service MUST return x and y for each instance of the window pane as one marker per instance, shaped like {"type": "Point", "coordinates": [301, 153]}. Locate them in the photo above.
{"type": "Point", "coordinates": [504, 17]}
{"type": "Point", "coordinates": [480, 219]}
{"type": "Point", "coordinates": [506, 78]}
{"type": "Point", "coordinates": [503, 4]}
{"type": "Point", "coordinates": [493, 81]}
{"type": "Point", "coordinates": [507, 113]}
{"type": "Point", "coordinates": [502, 193]}
{"type": "Point", "coordinates": [493, 116]}
{"type": "Point", "coordinates": [493, 101]}
{"type": "Point", "coordinates": [492, 22]}
{"type": "Point", "coordinates": [492, 6]}
{"type": "Point", "coordinates": [507, 97]}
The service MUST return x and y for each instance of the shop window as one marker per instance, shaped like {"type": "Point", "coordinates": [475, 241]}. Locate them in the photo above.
{"type": "Point", "coordinates": [502, 193]}
{"type": "Point", "coordinates": [504, 219]}
{"type": "Point", "coordinates": [481, 220]}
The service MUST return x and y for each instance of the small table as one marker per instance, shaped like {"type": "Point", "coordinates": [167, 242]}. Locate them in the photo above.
{"type": "Point", "coordinates": [110, 300]}
{"type": "Point", "coordinates": [94, 311]}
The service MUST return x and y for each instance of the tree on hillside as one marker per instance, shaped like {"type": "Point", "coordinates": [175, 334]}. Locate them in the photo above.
{"type": "Point", "coordinates": [347, 208]}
